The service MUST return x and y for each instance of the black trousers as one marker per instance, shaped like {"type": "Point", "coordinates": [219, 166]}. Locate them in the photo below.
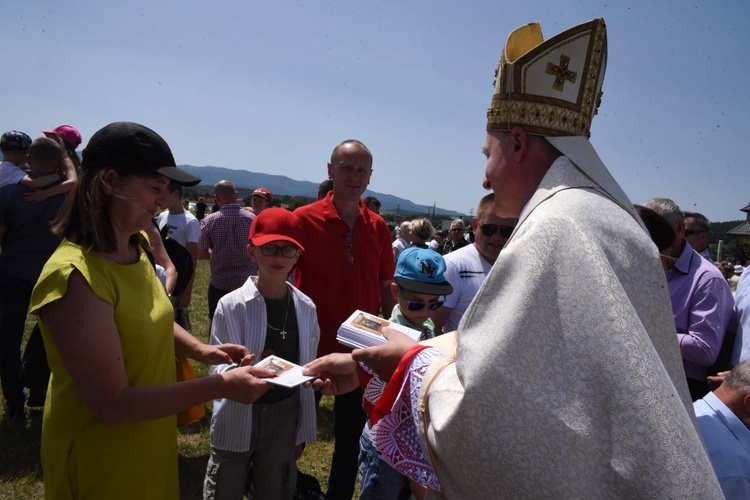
{"type": "Point", "coordinates": [15, 296]}
{"type": "Point", "coordinates": [349, 418]}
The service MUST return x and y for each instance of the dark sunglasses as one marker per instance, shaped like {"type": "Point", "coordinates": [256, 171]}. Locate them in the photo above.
{"type": "Point", "coordinates": [415, 306]}
{"type": "Point", "coordinates": [270, 250]}
{"type": "Point", "coordinates": [690, 232]}
{"type": "Point", "coordinates": [490, 229]}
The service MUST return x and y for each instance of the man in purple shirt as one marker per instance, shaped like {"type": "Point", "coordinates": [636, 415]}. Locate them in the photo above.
{"type": "Point", "coordinates": [224, 240]}
{"type": "Point", "coordinates": [702, 301]}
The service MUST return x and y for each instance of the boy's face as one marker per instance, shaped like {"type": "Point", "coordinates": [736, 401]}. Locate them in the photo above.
{"type": "Point", "coordinates": [276, 265]}
{"type": "Point", "coordinates": [405, 297]}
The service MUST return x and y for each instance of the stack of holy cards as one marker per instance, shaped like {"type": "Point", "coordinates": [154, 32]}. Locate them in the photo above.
{"type": "Point", "coordinates": [365, 330]}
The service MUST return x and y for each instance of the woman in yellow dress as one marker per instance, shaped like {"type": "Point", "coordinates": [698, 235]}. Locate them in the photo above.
{"type": "Point", "coordinates": [109, 428]}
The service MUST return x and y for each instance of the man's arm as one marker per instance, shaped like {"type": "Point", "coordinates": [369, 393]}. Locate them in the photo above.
{"type": "Point", "coordinates": [204, 243]}
{"type": "Point", "coordinates": [711, 310]}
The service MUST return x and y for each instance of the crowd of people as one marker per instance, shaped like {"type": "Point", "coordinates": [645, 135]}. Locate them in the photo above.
{"type": "Point", "coordinates": [566, 344]}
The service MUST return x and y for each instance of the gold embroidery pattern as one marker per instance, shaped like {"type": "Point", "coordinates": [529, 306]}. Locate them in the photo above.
{"type": "Point", "coordinates": [561, 73]}
{"type": "Point", "coordinates": [545, 115]}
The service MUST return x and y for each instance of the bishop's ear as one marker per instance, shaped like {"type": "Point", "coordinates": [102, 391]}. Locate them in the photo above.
{"type": "Point", "coordinates": [519, 142]}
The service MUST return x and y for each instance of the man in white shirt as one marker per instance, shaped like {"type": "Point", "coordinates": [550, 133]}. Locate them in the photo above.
{"type": "Point", "coordinates": [183, 227]}
{"type": "Point", "coordinates": [468, 266]}
{"type": "Point", "coordinates": [404, 239]}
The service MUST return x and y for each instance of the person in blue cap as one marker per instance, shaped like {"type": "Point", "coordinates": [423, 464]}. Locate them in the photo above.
{"type": "Point", "coordinates": [419, 288]}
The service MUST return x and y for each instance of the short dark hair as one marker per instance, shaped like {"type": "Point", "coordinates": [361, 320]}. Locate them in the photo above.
{"type": "Point", "coordinates": [701, 221]}
{"type": "Point", "coordinates": [325, 187]}
{"type": "Point", "coordinates": [173, 186]}
{"type": "Point", "coordinates": [46, 151]}
{"type": "Point", "coordinates": [372, 199]}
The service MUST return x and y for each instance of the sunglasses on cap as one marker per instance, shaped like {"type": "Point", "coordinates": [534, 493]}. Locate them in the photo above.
{"type": "Point", "coordinates": [415, 306]}
{"type": "Point", "coordinates": [490, 229]}
{"type": "Point", "coordinates": [287, 251]}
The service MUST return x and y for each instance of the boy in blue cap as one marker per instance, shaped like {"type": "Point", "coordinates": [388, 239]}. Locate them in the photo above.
{"type": "Point", "coordinates": [420, 288]}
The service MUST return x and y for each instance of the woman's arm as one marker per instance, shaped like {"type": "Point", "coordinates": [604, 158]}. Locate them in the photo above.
{"type": "Point", "coordinates": [69, 184]}
{"type": "Point", "coordinates": [161, 256]}
{"type": "Point", "coordinates": [84, 332]}
{"type": "Point", "coordinates": [39, 182]}
{"type": "Point", "coordinates": [190, 347]}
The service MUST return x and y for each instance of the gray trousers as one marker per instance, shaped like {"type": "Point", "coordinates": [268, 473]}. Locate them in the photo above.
{"type": "Point", "coordinates": [269, 462]}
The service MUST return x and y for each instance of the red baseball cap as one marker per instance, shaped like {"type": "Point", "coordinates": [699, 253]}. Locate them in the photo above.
{"type": "Point", "coordinates": [276, 224]}
{"type": "Point", "coordinates": [67, 133]}
{"type": "Point", "coordinates": [265, 193]}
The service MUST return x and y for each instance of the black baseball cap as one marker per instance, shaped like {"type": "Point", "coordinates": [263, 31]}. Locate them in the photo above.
{"type": "Point", "coordinates": [128, 144]}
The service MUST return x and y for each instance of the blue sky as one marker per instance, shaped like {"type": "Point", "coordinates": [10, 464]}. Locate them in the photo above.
{"type": "Point", "coordinates": [273, 86]}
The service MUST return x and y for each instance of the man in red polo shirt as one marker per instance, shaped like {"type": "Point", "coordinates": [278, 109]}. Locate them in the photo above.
{"type": "Point", "coordinates": [348, 265]}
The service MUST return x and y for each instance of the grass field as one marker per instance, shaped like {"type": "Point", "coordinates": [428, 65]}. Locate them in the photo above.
{"type": "Point", "coordinates": [20, 470]}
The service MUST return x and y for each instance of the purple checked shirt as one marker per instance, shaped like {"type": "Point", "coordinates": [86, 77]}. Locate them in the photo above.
{"type": "Point", "coordinates": [702, 305]}
{"type": "Point", "coordinates": [226, 233]}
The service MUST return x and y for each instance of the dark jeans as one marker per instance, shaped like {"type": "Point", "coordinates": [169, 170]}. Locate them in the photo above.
{"type": "Point", "coordinates": [15, 296]}
{"type": "Point", "coordinates": [349, 418]}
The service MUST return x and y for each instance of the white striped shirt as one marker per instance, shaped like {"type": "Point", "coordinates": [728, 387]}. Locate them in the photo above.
{"type": "Point", "coordinates": [240, 318]}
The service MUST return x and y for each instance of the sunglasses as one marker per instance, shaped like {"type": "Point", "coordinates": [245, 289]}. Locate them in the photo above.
{"type": "Point", "coordinates": [288, 251]}
{"type": "Point", "coordinates": [490, 229]}
{"type": "Point", "coordinates": [415, 306]}
{"type": "Point", "coordinates": [690, 232]}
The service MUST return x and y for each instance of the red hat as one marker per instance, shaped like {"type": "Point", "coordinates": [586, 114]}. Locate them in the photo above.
{"type": "Point", "coordinates": [276, 224]}
{"type": "Point", "coordinates": [66, 133]}
{"type": "Point", "coordinates": [265, 193]}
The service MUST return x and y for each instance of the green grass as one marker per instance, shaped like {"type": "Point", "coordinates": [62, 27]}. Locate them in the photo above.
{"type": "Point", "coordinates": [20, 469]}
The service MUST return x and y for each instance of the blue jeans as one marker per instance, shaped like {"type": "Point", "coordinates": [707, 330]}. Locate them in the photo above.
{"type": "Point", "coordinates": [377, 479]}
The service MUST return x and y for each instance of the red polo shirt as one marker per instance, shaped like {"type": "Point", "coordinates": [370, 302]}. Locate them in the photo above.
{"type": "Point", "coordinates": [341, 270]}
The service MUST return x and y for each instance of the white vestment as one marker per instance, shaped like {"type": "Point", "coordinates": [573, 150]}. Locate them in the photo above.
{"type": "Point", "coordinates": [568, 381]}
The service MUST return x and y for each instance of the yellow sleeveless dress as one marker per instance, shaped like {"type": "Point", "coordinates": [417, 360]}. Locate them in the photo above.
{"type": "Point", "coordinates": [81, 457]}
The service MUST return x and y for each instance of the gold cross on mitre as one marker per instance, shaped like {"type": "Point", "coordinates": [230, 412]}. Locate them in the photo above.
{"type": "Point", "coordinates": [561, 73]}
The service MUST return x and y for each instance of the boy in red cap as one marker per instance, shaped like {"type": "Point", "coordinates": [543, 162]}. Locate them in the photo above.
{"type": "Point", "coordinates": [260, 200]}
{"type": "Point", "coordinates": [268, 316]}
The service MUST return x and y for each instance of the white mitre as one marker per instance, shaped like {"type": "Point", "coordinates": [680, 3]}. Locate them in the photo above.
{"type": "Point", "coordinates": [553, 88]}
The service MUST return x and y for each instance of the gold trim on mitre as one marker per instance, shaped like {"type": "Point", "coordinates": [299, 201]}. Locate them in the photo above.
{"type": "Point", "coordinates": [550, 88]}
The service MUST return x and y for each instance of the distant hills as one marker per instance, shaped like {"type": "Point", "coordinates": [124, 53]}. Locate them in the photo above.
{"type": "Point", "coordinates": [281, 184]}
